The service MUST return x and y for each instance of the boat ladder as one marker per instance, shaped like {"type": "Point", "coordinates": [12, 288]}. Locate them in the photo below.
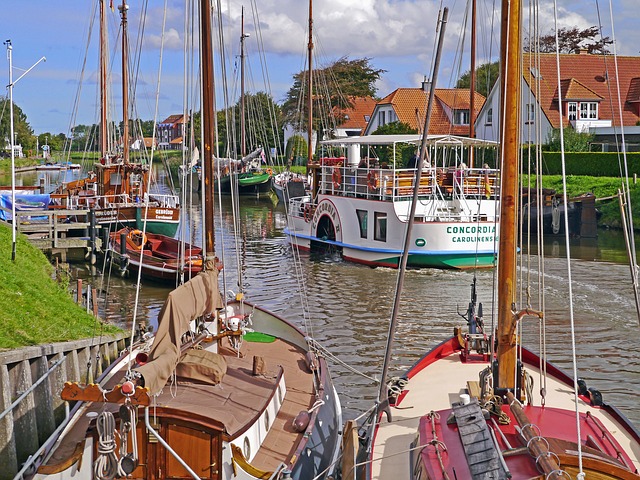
{"type": "Point", "coordinates": [483, 456]}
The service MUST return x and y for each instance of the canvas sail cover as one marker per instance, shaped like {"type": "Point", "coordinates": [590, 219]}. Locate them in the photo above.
{"type": "Point", "coordinates": [195, 298]}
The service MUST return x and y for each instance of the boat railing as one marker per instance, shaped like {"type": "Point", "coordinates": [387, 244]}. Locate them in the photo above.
{"type": "Point", "coordinates": [398, 184]}
{"type": "Point", "coordinates": [115, 201]}
{"type": "Point", "coordinates": [164, 200]}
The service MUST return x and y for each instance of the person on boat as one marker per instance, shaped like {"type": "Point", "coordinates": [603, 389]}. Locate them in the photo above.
{"type": "Point", "coordinates": [459, 173]}
{"type": "Point", "coordinates": [414, 160]}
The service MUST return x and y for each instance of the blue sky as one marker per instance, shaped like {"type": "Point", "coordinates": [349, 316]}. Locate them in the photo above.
{"type": "Point", "coordinates": [398, 35]}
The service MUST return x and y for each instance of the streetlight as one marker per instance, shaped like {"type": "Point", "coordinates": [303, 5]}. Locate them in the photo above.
{"type": "Point", "coordinates": [13, 154]}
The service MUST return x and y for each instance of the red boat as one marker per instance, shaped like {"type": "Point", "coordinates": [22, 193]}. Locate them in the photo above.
{"type": "Point", "coordinates": [161, 258]}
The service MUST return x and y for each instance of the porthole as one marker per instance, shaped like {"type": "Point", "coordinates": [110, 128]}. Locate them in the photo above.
{"type": "Point", "coordinates": [266, 420]}
{"type": "Point", "coordinates": [280, 394]}
{"type": "Point", "coordinates": [246, 448]}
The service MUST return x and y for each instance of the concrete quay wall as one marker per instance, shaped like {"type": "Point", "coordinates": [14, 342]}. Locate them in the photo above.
{"type": "Point", "coordinates": [27, 425]}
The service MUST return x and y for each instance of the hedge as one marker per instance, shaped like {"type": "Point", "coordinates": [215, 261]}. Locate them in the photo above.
{"type": "Point", "coordinates": [594, 164]}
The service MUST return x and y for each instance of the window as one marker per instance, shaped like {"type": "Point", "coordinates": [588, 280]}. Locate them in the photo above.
{"type": "Point", "coordinates": [381, 119]}
{"type": "Point", "coordinates": [572, 111]}
{"type": "Point", "coordinates": [367, 118]}
{"type": "Point", "coordinates": [380, 232]}
{"type": "Point", "coordinates": [490, 116]}
{"type": "Point", "coordinates": [461, 117]}
{"type": "Point", "coordinates": [531, 112]}
{"type": "Point", "coordinates": [588, 110]}
{"type": "Point", "coordinates": [362, 221]}
{"type": "Point", "coordinates": [115, 179]}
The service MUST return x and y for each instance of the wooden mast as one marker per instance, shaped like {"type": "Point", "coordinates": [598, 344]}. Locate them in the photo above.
{"type": "Point", "coordinates": [310, 88]}
{"type": "Point", "coordinates": [207, 123]}
{"type": "Point", "coordinates": [125, 82]}
{"type": "Point", "coordinates": [104, 140]}
{"type": "Point", "coordinates": [243, 145]}
{"type": "Point", "coordinates": [472, 75]}
{"type": "Point", "coordinates": [510, 141]}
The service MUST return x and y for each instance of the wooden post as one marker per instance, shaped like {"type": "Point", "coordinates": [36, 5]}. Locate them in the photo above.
{"type": "Point", "coordinates": [94, 299]}
{"type": "Point", "coordinates": [79, 292]}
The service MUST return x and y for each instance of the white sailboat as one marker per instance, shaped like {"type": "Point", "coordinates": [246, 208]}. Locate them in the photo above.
{"type": "Point", "coordinates": [221, 391]}
{"type": "Point", "coordinates": [480, 405]}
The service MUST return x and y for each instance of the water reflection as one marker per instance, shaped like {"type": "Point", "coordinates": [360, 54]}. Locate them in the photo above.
{"type": "Point", "coordinates": [348, 305]}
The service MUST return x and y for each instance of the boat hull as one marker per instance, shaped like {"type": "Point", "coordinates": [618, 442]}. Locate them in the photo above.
{"type": "Point", "coordinates": [161, 258]}
{"type": "Point", "coordinates": [286, 189]}
{"type": "Point", "coordinates": [160, 220]}
{"type": "Point", "coordinates": [391, 446]}
{"type": "Point", "coordinates": [220, 434]}
{"type": "Point", "coordinates": [353, 226]}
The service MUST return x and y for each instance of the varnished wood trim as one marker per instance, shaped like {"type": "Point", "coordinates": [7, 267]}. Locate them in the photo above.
{"type": "Point", "coordinates": [76, 456]}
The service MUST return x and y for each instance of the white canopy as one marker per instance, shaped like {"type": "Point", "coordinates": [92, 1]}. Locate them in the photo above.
{"type": "Point", "coordinates": [411, 138]}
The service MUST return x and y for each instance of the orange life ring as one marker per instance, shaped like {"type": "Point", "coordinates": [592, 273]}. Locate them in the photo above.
{"type": "Point", "coordinates": [372, 181]}
{"type": "Point", "coordinates": [336, 177]}
{"type": "Point", "coordinates": [269, 171]}
{"type": "Point", "coordinates": [136, 239]}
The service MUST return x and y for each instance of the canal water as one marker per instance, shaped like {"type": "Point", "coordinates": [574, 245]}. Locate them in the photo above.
{"type": "Point", "coordinates": [348, 306]}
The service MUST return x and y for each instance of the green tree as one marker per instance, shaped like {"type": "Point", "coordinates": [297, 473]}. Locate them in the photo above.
{"type": "Point", "coordinates": [573, 141]}
{"type": "Point", "coordinates": [21, 128]}
{"type": "Point", "coordinates": [263, 118]}
{"type": "Point", "coordinates": [403, 151]}
{"type": "Point", "coordinates": [297, 149]}
{"type": "Point", "coordinates": [571, 40]}
{"type": "Point", "coordinates": [486, 76]}
{"type": "Point", "coordinates": [333, 86]}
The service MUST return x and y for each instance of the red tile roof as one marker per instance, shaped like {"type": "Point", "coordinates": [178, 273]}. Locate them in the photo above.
{"type": "Point", "coordinates": [583, 73]}
{"type": "Point", "coordinates": [410, 107]}
{"type": "Point", "coordinates": [173, 119]}
{"type": "Point", "coordinates": [356, 117]}
{"type": "Point", "coordinates": [572, 89]}
{"type": "Point", "coordinates": [634, 90]}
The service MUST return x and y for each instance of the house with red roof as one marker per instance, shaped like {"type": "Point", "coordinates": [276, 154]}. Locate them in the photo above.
{"type": "Point", "coordinates": [355, 118]}
{"type": "Point", "coordinates": [585, 100]}
{"type": "Point", "coordinates": [449, 116]}
{"type": "Point", "coordinates": [170, 132]}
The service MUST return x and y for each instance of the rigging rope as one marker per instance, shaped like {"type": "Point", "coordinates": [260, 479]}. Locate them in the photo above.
{"type": "Point", "coordinates": [568, 249]}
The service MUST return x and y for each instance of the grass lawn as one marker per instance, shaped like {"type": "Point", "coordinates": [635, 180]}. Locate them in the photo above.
{"type": "Point", "coordinates": [34, 308]}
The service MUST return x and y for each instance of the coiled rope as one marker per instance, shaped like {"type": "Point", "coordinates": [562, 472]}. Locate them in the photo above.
{"type": "Point", "coordinates": [106, 465]}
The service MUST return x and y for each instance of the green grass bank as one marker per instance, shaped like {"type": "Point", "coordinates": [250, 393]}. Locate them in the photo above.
{"type": "Point", "coordinates": [34, 307]}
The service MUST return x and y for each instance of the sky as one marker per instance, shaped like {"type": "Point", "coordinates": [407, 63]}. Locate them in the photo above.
{"type": "Point", "coordinates": [397, 35]}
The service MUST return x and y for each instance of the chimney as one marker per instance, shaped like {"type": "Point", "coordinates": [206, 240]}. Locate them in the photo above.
{"type": "Point", "coordinates": [426, 84]}
{"type": "Point", "coordinates": [582, 51]}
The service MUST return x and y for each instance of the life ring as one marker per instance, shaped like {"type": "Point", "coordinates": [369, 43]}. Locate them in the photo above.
{"type": "Point", "coordinates": [269, 171]}
{"type": "Point", "coordinates": [372, 181]}
{"type": "Point", "coordinates": [336, 177]}
{"type": "Point", "coordinates": [194, 261]}
{"type": "Point", "coordinates": [136, 239]}
{"type": "Point", "coordinates": [308, 212]}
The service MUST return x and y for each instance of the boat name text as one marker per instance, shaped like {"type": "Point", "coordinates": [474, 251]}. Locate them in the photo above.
{"type": "Point", "coordinates": [472, 233]}
{"type": "Point", "coordinates": [330, 209]}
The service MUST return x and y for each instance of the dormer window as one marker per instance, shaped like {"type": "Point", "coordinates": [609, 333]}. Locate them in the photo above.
{"type": "Point", "coordinates": [582, 111]}
{"type": "Point", "coordinates": [461, 117]}
{"type": "Point", "coordinates": [588, 110]}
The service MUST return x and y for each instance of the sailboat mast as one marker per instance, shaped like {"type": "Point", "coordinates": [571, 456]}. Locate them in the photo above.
{"type": "Point", "coordinates": [472, 75]}
{"type": "Point", "coordinates": [104, 140]}
{"type": "Point", "coordinates": [207, 122]}
{"type": "Point", "coordinates": [510, 142]}
{"type": "Point", "coordinates": [310, 88]}
{"type": "Point", "coordinates": [125, 82]}
{"type": "Point", "coordinates": [243, 145]}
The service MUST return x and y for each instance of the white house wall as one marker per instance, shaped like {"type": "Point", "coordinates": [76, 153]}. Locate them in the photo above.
{"type": "Point", "coordinates": [491, 131]}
